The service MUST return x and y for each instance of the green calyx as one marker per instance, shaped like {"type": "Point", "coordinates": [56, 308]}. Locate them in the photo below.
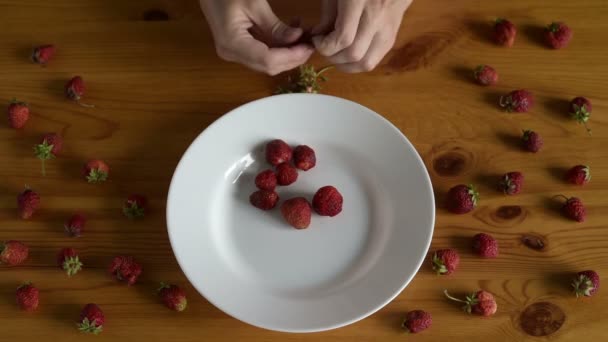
{"type": "Point", "coordinates": [474, 194]}
{"type": "Point", "coordinates": [44, 151]}
{"type": "Point", "coordinates": [133, 211]}
{"type": "Point", "coordinates": [469, 301]}
{"type": "Point", "coordinates": [17, 102]}
{"type": "Point", "coordinates": [526, 134]}
{"type": "Point", "coordinates": [97, 176]}
{"type": "Point", "coordinates": [581, 115]}
{"type": "Point", "coordinates": [553, 27]}
{"type": "Point", "coordinates": [89, 327]}
{"type": "Point", "coordinates": [163, 286]}
{"type": "Point", "coordinates": [25, 284]}
{"type": "Point", "coordinates": [72, 265]}
{"type": "Point", "coordinates": [438, 265]}
{"type": "Point", "coordinates": [499, 20]}
{"type": "Point", "coordinates": [583, 286]}
{"type": "Point", "coordinates": [307, 82]}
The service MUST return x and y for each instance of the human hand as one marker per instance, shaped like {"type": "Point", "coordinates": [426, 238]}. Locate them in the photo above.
{"type": "Point", "coordinates": [249, 33]}
{"type": "Point", "coordinates": [356, 34]}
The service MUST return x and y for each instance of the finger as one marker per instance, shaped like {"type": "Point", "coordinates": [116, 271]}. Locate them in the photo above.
{"type": "Point", "coordinates": [277, 33]}
{"type": "Point", "coordinates": [329, 11]}
{"type": "Point", "coordinates": [380, 46]}
{"type": "Point", "coordinates": [343, 35]}
{"type": "Point", "coordinates": [363, 40]}
{"type": "Point", "coordinates": [272, 61]}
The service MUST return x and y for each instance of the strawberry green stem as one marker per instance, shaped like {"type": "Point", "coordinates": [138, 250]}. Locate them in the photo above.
{"type": "Point", "coordinates": [43, 167]}
{"type": "Point", "coordinates": [453, 298]}
{"type": "Point", "coordinates": [561, 196]}
{"type": "Point", "coordinates": [86, 104]}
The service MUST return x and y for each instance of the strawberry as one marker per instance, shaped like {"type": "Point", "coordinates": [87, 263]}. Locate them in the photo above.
{"type": "Point", "coordinates": [532, 141]}
{"type": "Point", "coordinates": [135, 206]}
{"type": "Point", "coordinates": [50, 145]}
{"type": "Point", "coordinates": [327, 201]}
{"type": "Point", "coordinates": [125, 268]}
{"type": "Point", "coordinates": [68, 260]}
{"type": "Point", "coordinates": [297, 212]}
{"type": "Point", "coordinates": [558, 35]}
{"type": "Point", "coordinates": [485, 245]}
{"type": "Point", "coordinates": [485, 75]}
{"type": "Point", "coordinates": [578, 175]}
{"type": "Point", "coordinates": [519, 101]}
{"type": "Point", "coordinates": [462, 198]}
{"type": "Point", "coordinates": [504, 32]}
{"type": "Point", "coordinates": [28, 297]}
{"type": "Point", "coordinates": [74, 90]}
{"type": "Point", "coordinates": [18, 114]}
{"type": "Point", "coordinates": [480, 303]}
{"type": "Point", "coordinates": [586, 283]}
{"type": "Point", "coordinates": [173, 297]}
{"type": "Point", "coordinates": [580, 110]}
{"type": "Point", "coordinates": [417, 321]}
{"type": "Point", "coordinates": [28, 202]}
{"type": "Point", "coordinates": [511, 183]}
{"type": "Point", "coordinates": [574, 209]}
{"type": "Point", "coordinates": [286, 174]}
{"type": "Point", "coordinates": [278, 152]}
{"type": "Point", "coordinates": [96, 171]}
{"type": "Point", "coordinates": [445, 261]}
{"type": "Point", "coordinates": [43, 54]}
{"type": "Point", "coordinates": [75, 225]}
{"type": "Point", "coordinates": [91, 319]}
{"type": "Point", "coordinates": [264, 199]}
{"type": "Point", "coordinates": [13, 253]}
{"type": "Point", "coordinates": [266, 180]}
{"type": "Point", "coordinates": [304, 157]}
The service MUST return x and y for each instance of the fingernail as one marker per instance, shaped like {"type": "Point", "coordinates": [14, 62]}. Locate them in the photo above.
{"type": "Point", "coordinates": [289, 31]}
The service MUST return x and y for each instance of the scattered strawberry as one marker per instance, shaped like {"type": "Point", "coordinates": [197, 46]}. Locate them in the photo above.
{"type": "Point", "coordinates": [480, 303]}
{"type": "Point", "coordinates": [28, 202]}
{"type": "Point", "coordinates": [327, 201]}
{"type": "Point", "coordinates": [75, 225]}
{"type": "Point", "coordinates": [135, 206]}
{"type": "Point", "coordinates": [266, 180]}
{"type": "Point", "coordinates": [49, 147]}
{"type": "Point", "coordinates": [74, 90]}
{"type": "Point", "coordinates": [13, 253]}
{"type": "Point", "coordinates": [68, 260]}
{"type": "Point", "coordinates": [125, 268]}
{"type": "Point", "coordinates": [91, 319]}
{"type": "Point", "coordinates": [578, 175]}
{"type": "Point", "coordinates": [445, 261]}
{"type": "Point", "coordinates": [173, 297]}
{"type": "Point", "coordinates": [532, 141]}
{"type": "Point", "coordinates": [18, 114]}
{"type": "Point", "coordinates": [574, 209]}
{"type": "Point", "coordinates": [264, 199]}
{"type": "Point", "coordinates": [580, 110]}
{"type": "Point", "coordinates": [96, 171]}
{"type": "Point", "coordinates": [286, 174]}
{"type": "Point", "coordinates": [511, 183]}
{"type": "Point", "coordinates": [297, 212]}
{"type": "Point", "coordinates": [485, 75]}
{"type": "Point", "coordinates": [586, 283]}
{"type": "Point", "coordinates": [304, 157]}
{"type": "Point", "coordinates": [462, 198]}
{"type": "Point", "coordinates": [417, 321]}
{"type": "Point", "coordinates": [519, 101]}
{"type": "Point", "coordinates": [43, 54]}
{"type": "Point", "coordinates": [28, 297]}
{"type": "Point", "coordinates": [278, 152]}
{"type": "Point", "coordinates": [485, 245]}
{"type": "Point", "coordinates": [558, 35]}
{"type": "Point", "coordinates": [504, 32]}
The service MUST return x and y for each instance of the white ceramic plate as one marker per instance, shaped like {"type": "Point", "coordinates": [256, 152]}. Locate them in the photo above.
{"type": "Point", "coordinates": [252, 265]}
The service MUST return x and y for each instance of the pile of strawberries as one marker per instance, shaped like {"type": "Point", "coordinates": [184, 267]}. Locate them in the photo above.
{"type": "Point", "coordinates": [14, 253]}
{"type": "Point", "coordinates": [462, 198]}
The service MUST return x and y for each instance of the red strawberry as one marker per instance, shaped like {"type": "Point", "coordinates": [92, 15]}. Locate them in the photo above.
{"type": "Point", "coordinates": [28, 202]}
{"type": "Point", "coordinates": [480, 303]}
{"type": "Point", "coordinates": [13, 253]}
{"type": "Point", "coordinates": [417, 321]}
{"type": "Point", "coordinates": [278, 152]}
{"type": "Point", "coordinates": [125, 268]}
{"type": "Point", "coordinates": [135, 206]}
{"type": "Point", "coordinates": [445, 261]}
{"type": "Point", "coordinates": [485, 245]}
{"type": "Point", "coordinates": [327, 201]}
{"type": "Point", "coordinates": [304, 157]}
{"type": "Point", "coordinates": [96, 171]}
{"type": "Point", "coordinates": [485, 75]}
{"type": "Point", "coordinates": [580, 110]}
{"type": "Point", "coordinates": [68, 260]}
{"type": "Point", "coordinates": [264, 199]}
{"type": "Point", "coordinates": [74, 90]}
{"type": "Point", "coordinates": [43, 54]}
{"type": "Point", "coordinates": [91, 319]}
{"type": "Point", "coordinates": [574, 209]}
{"type": "Point", "coordinates": [511, 183]}
{"type": "Point", "coordinates": [586, 283]}
{"type": "Point", "coordinates": [50, 145]}
{"type": "Point", "coordinates": [558, 35]}
{"type": "Point", "coordinates": [462, 198]}
{"type": "Point", "coordinates": [504, 32]}
{"type": "Point", "coordinates": [173, 297]}
{"type": "Point", "coordinates": [297, 212]}
{"type": "Point", "coordinates": [519, 101]}
{"type": "Point", "coordinates": [286, 174]}
{"type": "Point", "coordinates": [532, 141]}
{"type": "Point", "coordinates": [75, 225]}
{"type": "Point", "coordinates": [266, 180]}
{"type": "Point", "coordinates": [578, 175]}
{"type": "Point", "coordinates": [18, 114]}
{"type": "Point", "coordinates": [28, 297]}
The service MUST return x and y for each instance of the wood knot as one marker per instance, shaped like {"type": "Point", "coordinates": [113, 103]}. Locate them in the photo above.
{"type": "Point", "coordinates": [542, 319]}
{"type": "Point", "coordinates": [508, 212]}
{"type": "Point", "coordinates": [535, 242]}
{"type": "Point", "coordinates": [155, 15]}
{"type": "Point", "coordinates": [452, 163]}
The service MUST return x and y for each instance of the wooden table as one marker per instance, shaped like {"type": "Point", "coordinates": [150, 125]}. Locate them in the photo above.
{"type": "Point", "coordinates": [154, 77]}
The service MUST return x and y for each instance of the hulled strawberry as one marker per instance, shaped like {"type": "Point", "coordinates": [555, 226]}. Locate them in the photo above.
{"type": "Point", "coordinates": [480, 303]}
{"type": "Point", "coordinates": [125, 268]}
{"type": "Point", "coordinates": [445, 261]}
{"type": "Point", "coordinates": [18, 114]}
{"type": "Point", "coordinates": [278, 152]}
{"type": "Point", "coordinates": [462, 199]}
{"type": "Point", "coordinates": [417, 321]}
{"type": "Point", "coordinates": [173, 297]}
{"type": "Point", "coordinates": [91, 319]}
{"type": "Point", "coordinates": [68, 260]}
{"type": "Point", "coordinates": [28, 297]}
{"type": "Point", "coordinates": [135, 206]}
{"type": "Point", "coordinates": [49, 147]}
{"type": "Point", "coordinates": [28, 203]}
{"type": "Point", "coordinates": [586, 283]}
{"type": "Point", "coordinates": [485, 75]}
{"type": "Point", "coordinates": [485, 245]}
{"type": "Point", "coordinates": [504, 32]}
{"type": "Point", "coordinates": [42, 54]}
{"type": "Point", "coordinates": [13, 253]}
{"type": "Point", "coordinates": [574, 209]}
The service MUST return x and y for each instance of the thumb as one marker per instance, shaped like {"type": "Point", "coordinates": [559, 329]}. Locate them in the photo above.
{"type": "Point", "coordinates": [283, 34]}
{"type": "Point", "coordinates": [275, 30]}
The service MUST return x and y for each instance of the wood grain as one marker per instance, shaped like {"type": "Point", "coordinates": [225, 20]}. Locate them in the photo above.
{"type": "Point", "coordinates": [154, 77]}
